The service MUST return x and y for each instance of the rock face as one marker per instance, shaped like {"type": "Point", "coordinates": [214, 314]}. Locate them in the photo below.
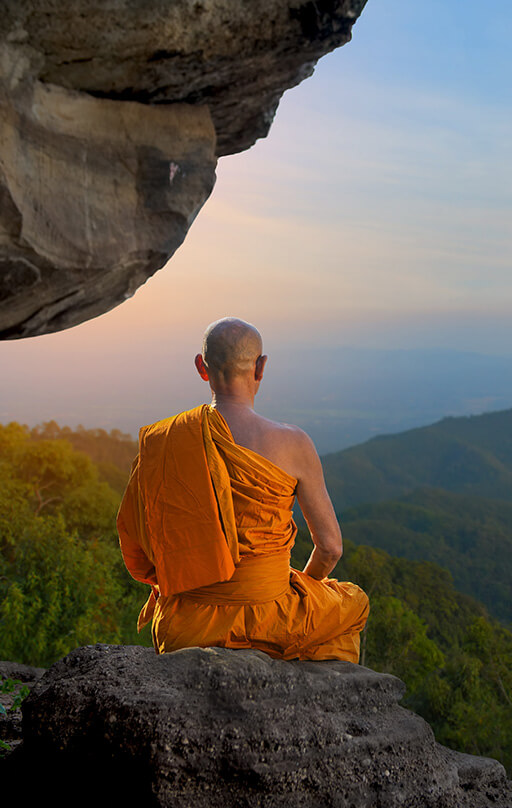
{"type": "Point", "coordinates": [215, 727]}
{"type": "Point", "coordinates": [113, 115]}
{"type": "Point", "coordinates": [11, 731]}
{"type": "Point", "coordinates": [97, 195]}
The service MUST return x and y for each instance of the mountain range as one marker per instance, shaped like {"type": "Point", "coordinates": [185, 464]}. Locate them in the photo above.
{"type": "Point", "coordinates": [467, 455]}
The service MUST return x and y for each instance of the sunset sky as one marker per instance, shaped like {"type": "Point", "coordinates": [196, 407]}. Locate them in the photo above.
{"type": "Point", "coordinates": [376, 215]}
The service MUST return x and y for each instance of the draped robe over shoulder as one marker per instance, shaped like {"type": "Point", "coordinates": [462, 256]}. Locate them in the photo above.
{"type": "Point", "coordinates": [208, 524]}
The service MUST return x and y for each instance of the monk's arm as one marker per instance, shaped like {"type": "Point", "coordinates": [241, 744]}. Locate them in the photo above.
{"type": "Point", "coordinates": [318, 511]}
{"type": "Point", "coordinates": [132, 532]}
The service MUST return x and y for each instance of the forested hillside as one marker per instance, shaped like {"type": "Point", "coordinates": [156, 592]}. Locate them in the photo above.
{"type": "Point", "coordinates": [112, 452]}
{"type": "Point", "coordinates": [470, 455]}
{"type": "Point", "coordinates": [62, 579]}
{"type": "Point", "coordinates": [469, 536]}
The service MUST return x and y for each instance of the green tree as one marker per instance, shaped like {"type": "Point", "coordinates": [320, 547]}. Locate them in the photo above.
{"type": "Point", "coordinates": [62, 578]}
{"type": "Point", "coordinates": [58, 479]}
{"type": "Point", "coordinates": [395, 641]}
{"type": "Point", "coordinates": [58, 592]}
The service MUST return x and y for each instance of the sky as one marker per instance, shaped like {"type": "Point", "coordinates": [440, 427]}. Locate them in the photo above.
{"type": "Point", "coordinates": [370, 229]}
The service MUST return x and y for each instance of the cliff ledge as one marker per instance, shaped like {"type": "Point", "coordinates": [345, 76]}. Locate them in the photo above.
{"type": "Point", "coordinates": [219, 728]}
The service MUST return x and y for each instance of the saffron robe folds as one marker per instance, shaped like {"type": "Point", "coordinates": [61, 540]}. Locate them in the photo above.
{"type": "Point", "coordinates": [208, 525]}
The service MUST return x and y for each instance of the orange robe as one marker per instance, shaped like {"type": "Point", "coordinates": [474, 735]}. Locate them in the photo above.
{"type": "Point", "coordinates": [208, 524]}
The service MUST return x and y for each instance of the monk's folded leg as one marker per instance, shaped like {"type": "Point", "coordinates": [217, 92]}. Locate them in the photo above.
{"type": "Point", "coordinates": [336, 614]}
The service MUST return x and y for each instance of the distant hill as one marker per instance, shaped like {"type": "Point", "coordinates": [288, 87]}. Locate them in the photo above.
{"type": "Point", "coordinates": [468, 455]}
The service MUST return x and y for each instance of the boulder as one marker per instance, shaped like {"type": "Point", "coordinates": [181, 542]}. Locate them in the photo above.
{"type": "Point", "coordinates": [16, 676]}
{"type": "Point", "coordinates": [112, 119]}
{"type": "Point", "coordinates": [221, 728]}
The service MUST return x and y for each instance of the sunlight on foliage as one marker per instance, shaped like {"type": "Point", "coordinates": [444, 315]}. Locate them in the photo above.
{"type": "Point", "coordinates": [62, 580]}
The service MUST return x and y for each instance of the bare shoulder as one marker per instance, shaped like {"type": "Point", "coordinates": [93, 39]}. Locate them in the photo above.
{"type": "Point", "coordinates": [289, 432]}
{"type": "Point", "coordinates": [298, 439]}
{"type": "Point", "coordinates": [306, 455]}
{"type": "Point", "coordinates": [291, 446]}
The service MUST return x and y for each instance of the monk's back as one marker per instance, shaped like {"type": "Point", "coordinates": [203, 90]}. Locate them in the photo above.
{"type": "Point", "coordinates": [279, 443]}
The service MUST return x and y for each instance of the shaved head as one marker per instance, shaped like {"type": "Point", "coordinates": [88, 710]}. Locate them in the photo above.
{"type": "Point", "coordinates": [231, 347]}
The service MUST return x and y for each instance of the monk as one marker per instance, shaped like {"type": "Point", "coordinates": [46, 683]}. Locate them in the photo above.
{"type": "Point", "coordinates": [206, 521]}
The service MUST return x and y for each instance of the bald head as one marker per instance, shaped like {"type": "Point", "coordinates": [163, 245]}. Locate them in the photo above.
{"type": "Point", "coordinates": [231, 347]}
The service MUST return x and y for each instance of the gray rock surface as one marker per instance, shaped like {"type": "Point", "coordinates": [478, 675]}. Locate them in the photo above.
{"type": "Point", "coordinates": [11, 731]}
{"type": "Point", "coordinates": [112, 117]}
{"type": "Point", "coordinates": [215, 727]}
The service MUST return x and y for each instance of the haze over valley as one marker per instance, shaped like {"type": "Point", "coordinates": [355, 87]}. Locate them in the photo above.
{"type": "Point", "coordinates": [340, 396]}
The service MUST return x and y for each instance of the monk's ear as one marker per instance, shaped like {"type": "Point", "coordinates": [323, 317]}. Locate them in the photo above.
{"type": "Point", "coordinates": [260, 367]}
{"type": "Point", "coordinates": [201, 367]}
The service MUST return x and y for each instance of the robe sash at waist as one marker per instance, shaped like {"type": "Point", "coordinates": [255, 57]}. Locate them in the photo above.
{"type": "Point", "coordinates": [257, 579]}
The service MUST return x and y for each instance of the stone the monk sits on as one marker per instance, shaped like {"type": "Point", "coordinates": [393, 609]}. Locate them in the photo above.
{"type": "Point", "coordinates": [206, 521]}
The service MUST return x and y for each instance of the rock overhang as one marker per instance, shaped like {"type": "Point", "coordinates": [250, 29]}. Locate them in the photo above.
{"type": "Point", "coordinates": [99, 178]}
